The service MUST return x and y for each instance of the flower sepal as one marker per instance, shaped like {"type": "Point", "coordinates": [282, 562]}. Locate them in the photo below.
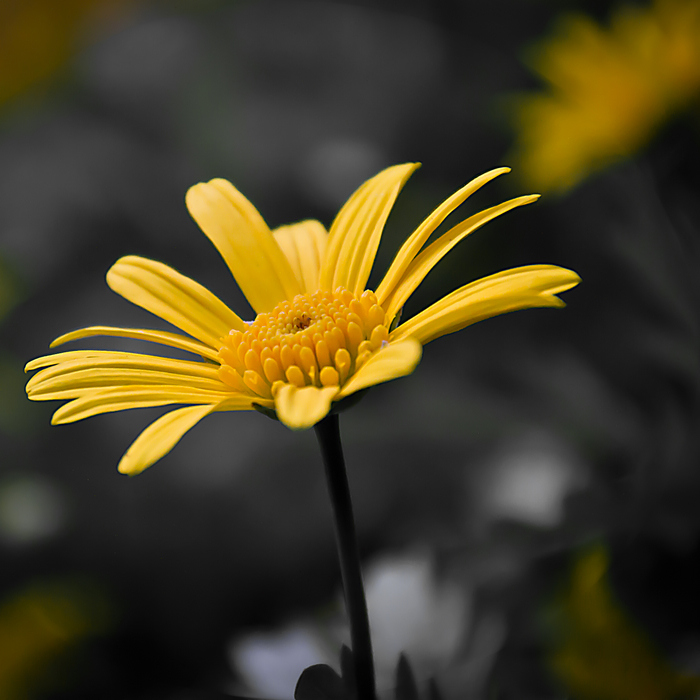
{"type": "Point", "coordinates": [266, 411]}
{"type": "Point", "coordinates": [348, 401]}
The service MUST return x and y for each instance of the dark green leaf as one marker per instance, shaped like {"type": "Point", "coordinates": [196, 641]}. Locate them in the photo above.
{"type": "Point", "coordinates": [321, 682]}
{"type": "Point", "coordinates": [406, 688]}
{"type": "Point", "coordinates": [347, 668]}
{"type": "Point", "coordinates": [434, 691]}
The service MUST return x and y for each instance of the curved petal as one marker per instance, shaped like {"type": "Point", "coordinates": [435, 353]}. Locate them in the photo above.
{"type": "Point", "coordinates": [177, 299]}
{"type": "Point", "coordinates": [423, 263]}
{"type": "Point", "coordinates": [58, 357]}
{"type": "Point", "coordinates": [244, 241]}
{"type": "Point", "coordinates": [355, 234]}
{"type": "Point", "coordinates": [304, 245]}
{"type": "Point", "coordinates": [160, 437]}
{"type": "Point", "coordinates": [163, 434]}
{"type": "Point", "coordinates": [163, 337]}
{"type": "Point", "coordinates": [137, 396]}
{"type": "Point", "coordinates": [301, 408]}
{"type": "Point", "coordinates": [66, 362]}
{"type": "Point", "coordinates": [395, 360]}
{"type": "Point", "coordinates": [418, 238]}
{"type": "Point", "coordinates": [519, 288]}
{"type": "Point", "coordinates": [80, 382]}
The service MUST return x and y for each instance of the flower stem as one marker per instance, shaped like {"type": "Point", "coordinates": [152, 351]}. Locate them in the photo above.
{"type": "Point", "coordinates": [328, 434]}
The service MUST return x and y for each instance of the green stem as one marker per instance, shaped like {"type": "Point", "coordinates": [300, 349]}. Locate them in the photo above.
{"type": "Point", "coordinates": [328, 434]}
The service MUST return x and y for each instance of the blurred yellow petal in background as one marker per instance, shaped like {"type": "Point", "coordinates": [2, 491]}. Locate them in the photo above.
{"type": "Point", "coordinates": [38, 37]}
{"type": "Point", "coordinates": [599, 652]}
{"type": "Point", "coordinates": [609, 89]}
{"type": "Point", "coordinates": [37, 624]}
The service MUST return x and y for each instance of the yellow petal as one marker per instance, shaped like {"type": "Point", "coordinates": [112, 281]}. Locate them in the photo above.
{"type": "Point", "coordinates": [58, 357]}
{"type": "Point", "coordinates": [160, 437]}
{"type": "Point", "coordinates": [78, 383]}
{"type": "Point", "coordinates": [425, 261]}
{"type": "Point", "coordinates": [67, 362]}
{"type": "Point", "coordinates": [304, 245]}
{"type": "Point", "coordinates": [301, 408]}
{"type": "Point", "coordinates": [137, 396]}
{"type": "Point", "coordinates": [355, 234]}
{"type": "Point", "coordinates": [519, 288]}
{"type": "Point", "coordinates": [163, 337]}
{"type": "Point", "coordinates": [174, 297]}
{"type": "Point", "coordinates": [390, 362]}
{"type": "Point", "coordinates": [163, 434]}
{"type": "Point", "coordinates": [245, 242]}
{"type": "Point", "coordinates": [418, 238]}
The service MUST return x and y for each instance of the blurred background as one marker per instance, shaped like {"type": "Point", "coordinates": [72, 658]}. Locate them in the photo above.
{"type": "Point", "coordinates": [527, 501]}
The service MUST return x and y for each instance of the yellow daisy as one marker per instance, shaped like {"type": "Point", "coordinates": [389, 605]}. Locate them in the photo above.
{"type": "Point", "coordinates": [318, 337]}
{"type": "Point", "coordinates": [609, 90]}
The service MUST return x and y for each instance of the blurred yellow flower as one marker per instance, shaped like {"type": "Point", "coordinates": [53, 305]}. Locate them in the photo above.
{"type": "Point", "coordinates": [319, 335]}
{"type": "Point", "coordinates": [37, 37]}
{"type": "Point", "coordinates": [609, 90]}
{"type": "Point", "coordinates": [37, 624]}
{"type": "Point", "coordinates": [599, 653]}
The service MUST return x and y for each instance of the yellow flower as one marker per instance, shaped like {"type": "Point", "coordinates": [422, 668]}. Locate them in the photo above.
{"type": "Point", "coordinates": [319, 336]}
{"type": "Point", "coordinates": [598, 652]}
{"type": "Point", "coordinates": [610, 90]}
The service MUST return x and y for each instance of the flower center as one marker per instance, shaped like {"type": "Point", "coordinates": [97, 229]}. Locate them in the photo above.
{"type": "Point", "coordinates": [317, 339]}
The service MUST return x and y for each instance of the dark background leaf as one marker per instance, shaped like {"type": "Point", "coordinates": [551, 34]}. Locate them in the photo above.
{"type": "Point", "coordinates": [321, 682]}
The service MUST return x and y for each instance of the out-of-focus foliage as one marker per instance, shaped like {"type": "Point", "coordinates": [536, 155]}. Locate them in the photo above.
{"type": "Point", "coordinates": [322, 682]}
{"type": "Point", "coordinates": [10, 295]}
{"type": "Point", "coordinates": [38, 625]}
{"type": "Point", "coordinates": [610, 88]}
{"type": "Point", "coordinates": [598, 652]}
{"type": "Point", "coordinates": [8, 289]}
{"type": "Point", "coordinates": [411, 611]}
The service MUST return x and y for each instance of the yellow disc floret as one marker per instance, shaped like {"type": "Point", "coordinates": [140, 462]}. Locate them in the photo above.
{"type": "Point", "coordinates": [317, 339]}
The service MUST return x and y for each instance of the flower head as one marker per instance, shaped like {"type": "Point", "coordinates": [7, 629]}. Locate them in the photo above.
{"type": "Point", "coordinates": [318, 337]}
{"type": "Point", "coordinates": [610, 89]}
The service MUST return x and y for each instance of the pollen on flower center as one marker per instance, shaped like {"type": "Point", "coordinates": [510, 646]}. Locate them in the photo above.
{"type": "Point", "coordinates": [317, 339]}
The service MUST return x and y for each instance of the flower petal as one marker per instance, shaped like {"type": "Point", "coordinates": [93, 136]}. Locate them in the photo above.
{"type": "Point", "coordinates": [81, 382]}
{"type": "Point", "coordinates": [390, 362]}
{"type": "Point", "coordinates": [301, 408]}
{"type": "Point", "coordinates": [58, 357]}
{"type": "Point", "coordinates": [355, 234]}
{"type": "Point", "coordinates": [304, 245]}
{"type": "Point", "coordinates": [423, 263]}
{"type": "Point", "coordinates": [66, 362]}
{"type": "Point", "coordinates": [163, 434]}
{"type": "Point", "coordinates": [83, 372]}
{"type": "Point", "coordinates": [163, 337]}
{"type": "Point", "coordinates": [160, 437]}
{"type": "Point", "coordinates": [244, 241]}
{"type": "Point", "coordinates": [137, 396]}
{"type": "Point", "coordinates": [418, 238]}
{"type": "Point", "coordinates": [510, 290]}
{"type": "Point", "coordinates": [174, 297]}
